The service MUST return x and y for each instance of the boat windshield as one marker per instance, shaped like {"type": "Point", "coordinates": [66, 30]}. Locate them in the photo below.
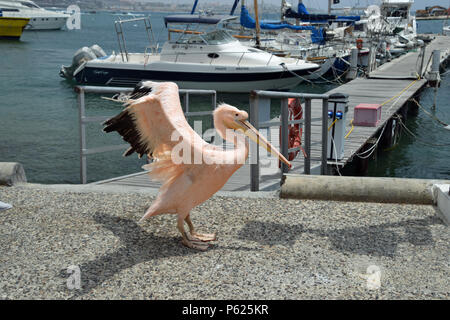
{"type": "Point", "coordinates": [30, 4]}
{"type": "Point", "coordinates": [217, 37]}
{"type": "Point", "coordinates": [212, 38]}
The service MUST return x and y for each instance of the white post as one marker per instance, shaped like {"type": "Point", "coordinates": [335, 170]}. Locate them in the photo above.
{"type": "Point", "coordinates": [434, 77]}
{"type": "Point", "coordinates": [353, 65]}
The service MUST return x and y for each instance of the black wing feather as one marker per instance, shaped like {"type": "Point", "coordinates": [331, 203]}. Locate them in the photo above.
{"type": "Point", "coordinates": [124, 124]}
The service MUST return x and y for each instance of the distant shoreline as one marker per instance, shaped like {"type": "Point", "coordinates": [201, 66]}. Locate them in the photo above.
{"type": "Point", "coordinates": [433, 18]}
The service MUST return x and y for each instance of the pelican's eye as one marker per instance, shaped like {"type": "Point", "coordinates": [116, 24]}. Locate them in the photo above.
{"type": "Point", "coordinates": [237, 114]}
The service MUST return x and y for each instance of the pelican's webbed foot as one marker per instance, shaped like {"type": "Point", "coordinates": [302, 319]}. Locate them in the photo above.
{"type": "Point", "coordinates": [195, 244]}
{"type": "Point", "coordinates": [203, 236]}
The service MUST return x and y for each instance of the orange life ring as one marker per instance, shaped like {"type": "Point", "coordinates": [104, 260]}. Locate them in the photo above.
{"type": "Point", "coordinates": [295, 132]}
{"type": "Point", "coordinates": [359, 43]}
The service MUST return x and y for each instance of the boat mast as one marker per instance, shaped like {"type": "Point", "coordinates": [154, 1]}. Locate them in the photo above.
{"type": "Point", "coordinates": [283, 5]}
{"type": "Point", "coordinates": [329, 6]}
{"type": "Point", "coordinates": [296, 19]}
{"type": "Point", "coordinates": [257, 27]}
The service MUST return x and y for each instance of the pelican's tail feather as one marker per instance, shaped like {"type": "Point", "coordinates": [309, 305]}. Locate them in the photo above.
{"type": "Point", "coordinates": [164, 169]}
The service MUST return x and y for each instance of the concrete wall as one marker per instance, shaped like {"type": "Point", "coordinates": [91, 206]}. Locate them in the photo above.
{"type": "Point", "coordinates": [11, 173]}
{"type": "Point", "coordinates": [360, 189]}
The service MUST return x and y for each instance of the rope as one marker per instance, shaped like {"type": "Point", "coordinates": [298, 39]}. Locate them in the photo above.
{"type": "Point", "coordinates": [400, 93]}
{"type": "Point", "coordinates": [293, 73]}
{"type": "Point", "coordinates": [314, 82]}
{"type": "Point", "coordinates": [372, 148]}
{"type": "Point", "coordinates": [335, 155]}
{"type": "Point", "coordinates": [418, 139]}
{"type": "Point", "coordinates": [432, 116]}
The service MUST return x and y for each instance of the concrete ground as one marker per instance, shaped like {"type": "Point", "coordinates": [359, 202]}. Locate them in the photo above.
{"type": "Point", "coordinates": [267, 248]}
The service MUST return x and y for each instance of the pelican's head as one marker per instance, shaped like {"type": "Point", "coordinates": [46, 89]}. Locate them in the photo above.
{"type": "Point", "coordinates": [229, 117]}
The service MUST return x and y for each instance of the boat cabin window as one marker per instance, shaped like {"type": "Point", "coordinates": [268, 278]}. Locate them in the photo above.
{"type": "Point", "coordinates": [218, 37]}
{"type": "Point", "coordinates": [212, 38]}
{"type": "Point", "coordinates": [401, 12]}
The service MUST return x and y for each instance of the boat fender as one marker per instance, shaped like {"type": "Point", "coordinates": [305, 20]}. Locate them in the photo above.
{"type": "Point", "coordinates": [98, 51]}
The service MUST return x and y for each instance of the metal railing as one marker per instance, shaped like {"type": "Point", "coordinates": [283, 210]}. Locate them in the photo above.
{"type": "Point", "coordinates": [259, 97]}
{"type": "Point", "coordinates": [83, 120]}
{"type": "Point", "coordinates": [233, 57]}
{"type": "Point", "coordinates": [256, 98]}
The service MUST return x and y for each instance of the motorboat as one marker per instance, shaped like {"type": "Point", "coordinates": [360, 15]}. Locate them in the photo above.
{"type": "Point", "coordinates": [193, 59]}
{"type": "Point", "coordinates": [40, 18]}
{"type": "Point", "coordinates": [12, 28]}
{"type": "Point", "coordinates": [446, 30]}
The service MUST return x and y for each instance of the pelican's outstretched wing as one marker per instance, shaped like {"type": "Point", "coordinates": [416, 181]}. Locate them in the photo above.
{"type": "Point", "coordinates": [152, 124]}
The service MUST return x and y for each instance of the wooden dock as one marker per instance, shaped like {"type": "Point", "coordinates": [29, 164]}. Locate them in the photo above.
{"type": "Point", "coordinates": [392, 85]}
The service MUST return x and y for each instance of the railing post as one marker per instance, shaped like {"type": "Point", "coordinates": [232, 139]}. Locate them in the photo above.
{"type": "Point", "coordinates": [284, 132]}
{"type": "Point", "coordinates": [308, 136]}
{"type": "Point", "coordinates": [254, 149]}
{"type": "Point", "coordinates": [434, 75]}
{"type": "Point", "coordinates": [422, 59]}
{"type": "Point", "coordinates": [186, 102]}
{"type": "Point", "coordinates": [214, 100]}
{"type": "Point", "coordinates": [353, 72]}
{"type": "Point", "coordinates": [81, 115]}
{"type": "Point", "coordinates": [324, 163]}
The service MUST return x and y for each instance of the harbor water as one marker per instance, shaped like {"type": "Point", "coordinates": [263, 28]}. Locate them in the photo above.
{"type": "Point", "coordinates": [39, 113]}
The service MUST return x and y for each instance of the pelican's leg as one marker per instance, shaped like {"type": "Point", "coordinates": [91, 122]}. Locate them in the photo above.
{"type": "Point", "coordinates": [199, 236]}
{"type": "Point", "coordinates": [187, 240]}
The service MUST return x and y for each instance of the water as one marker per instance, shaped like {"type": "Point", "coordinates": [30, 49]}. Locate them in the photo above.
{"type": "Point", "coordinates": [39, 113]}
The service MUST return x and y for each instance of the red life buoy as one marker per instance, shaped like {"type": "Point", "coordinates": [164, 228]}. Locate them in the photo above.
{"type": "Point", "coordinates": [359, 43]}
{"type": "Point", "coordinates": [295, 132]}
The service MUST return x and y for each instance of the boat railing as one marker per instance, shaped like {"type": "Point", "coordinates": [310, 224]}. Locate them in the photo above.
{"type": "Point", "coordinates": [118, 25]}
{"type": "Point", "coordinates": [83, 119]}
{"type": "Point", "coordinates": [239, 57]}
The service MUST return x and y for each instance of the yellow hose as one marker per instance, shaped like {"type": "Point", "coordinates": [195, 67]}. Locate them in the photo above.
{"type": "Point", "coordinates": [332, 124]}
{"type": "Point", "coordinates": [351, 122]}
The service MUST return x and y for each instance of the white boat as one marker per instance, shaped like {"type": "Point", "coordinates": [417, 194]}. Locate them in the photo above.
{"type": "Point", "coordinates": [446, 30]}
{"type": "Point", "coordinates": [40, 18]}
{"type": "Point", "coordinates": [195, 60]}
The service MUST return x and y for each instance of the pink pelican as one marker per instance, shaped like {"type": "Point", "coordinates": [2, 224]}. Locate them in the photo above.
{"type": "Point", "coordinates": [153, 123]}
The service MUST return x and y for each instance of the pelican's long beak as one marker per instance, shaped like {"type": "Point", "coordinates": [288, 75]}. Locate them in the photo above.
{"type": "Point", "coordinates": [251, 132]}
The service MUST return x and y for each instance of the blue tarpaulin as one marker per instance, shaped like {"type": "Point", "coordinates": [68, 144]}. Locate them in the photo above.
{"type": "Point", "coordinates": [247, 21]}
{"type": "Point", "coordinates": [318, 36]}
{"type": "Point", "coordinates": [302, 9]}
{"type": "Point", "coordinates": [303, 15]}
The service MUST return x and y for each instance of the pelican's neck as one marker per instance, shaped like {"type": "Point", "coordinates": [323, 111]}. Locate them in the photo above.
{"type": "Point", "coordinates": [237, 138]}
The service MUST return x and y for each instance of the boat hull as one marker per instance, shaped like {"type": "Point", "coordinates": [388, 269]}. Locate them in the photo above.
{"type": "Point", "coordinates": [12, 28]}
{"type": "Point", "coordinates": [46, 23]}
{"type": "Point", "coordinates": [219, 81]}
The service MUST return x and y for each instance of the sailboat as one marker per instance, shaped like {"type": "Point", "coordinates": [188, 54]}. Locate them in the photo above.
{"type": "Point", "coordinates": [307, 39]}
